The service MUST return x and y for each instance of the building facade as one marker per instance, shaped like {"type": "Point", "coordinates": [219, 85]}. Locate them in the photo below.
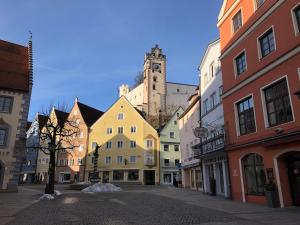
{"type": "Point", "coordinates": [260, 55]}
{"type": "Point", "coordinates": [211, 149]}
{"type": "Point", "coordinates": [155, 93]}
{"type": "Point", "coordinates": [71, 164]}
{"type": "Point", "coordinates": [191, 170]}
{"type": "Point", "coordinates": [16, 77]}
{"type": "Point", "coordinates": [129, 151]}
{"type": "Point", "coordinates": [43, 159]}
{"type": "Point", "coordinates": [28, 171]}
{"type": "Point", "coordinates": [170, 156]}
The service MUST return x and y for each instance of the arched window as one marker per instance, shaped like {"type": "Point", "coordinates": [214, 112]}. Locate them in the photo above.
{"type": "Point", "coordinates": [254, 173]}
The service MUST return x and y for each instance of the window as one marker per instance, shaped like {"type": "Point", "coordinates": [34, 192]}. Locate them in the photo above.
{"type": "Point", "coordinates": [153, 87]}
{"type": "Point", "coordinates": [154, 79]}
{"type": "Point", "coordinates": [77, 122]}
{"type": "Point", "coordinates": [108, 144]}
{"type": "Point", "coordinates": [167, 178]}
{"type": "Point", "coordinates": [212, 70]}
{"type": "Point", "coordinates": [177, 162]}
{"type": "Point", "coordinates": [108, 160]}
{"type": "Point", "coordinates": [133, 129]}
{"type": "Point", "coordinates": [254, 174]}
{"type": "Point", "coordinates": [172, 135]}
{"type": "Point", "coordinates": [205, 106]}
{"type": "Point", "coordinates": [278, 103]}
{"type": "Point", "coordinates": [79, 161]}
{"type": "Point", "coordinates": [213, 100]}
{"type": "Point", "coordinates": [166, 162]}
{"type": "Point", "coordinates": [240, 63]}
{"type": "Point", "coordinates": [176, 148]}
{"type": "Point", "coordinates": [296, 15]}
{"type": "Point", "coordinates": [177, 114]}
{"type": "Point", "coordinates": [6, 104]}
{"type": "Point", "coordinates": [166, 148]}
{"type": "Point", "coordinates": [132, 159]}
{"type": "Point", "coordinates": [267, 43]}
{"type": "Point", "coordinates": [220, 93]}
{"type": "Point", "coordinates": [178, 90]}
{"type": "Point", "coordinates": [132, 144]}
{"type": "Point", "coordinates": [3, 137]}
{"type": "Point", "coordinates": [246, 116]}
{"type": "Point", "coordinates": [175, 122]}
{"type": "Point", "coordinates": [133, 175]}
{"type": "Point", "coordinates": [120, 130]}
{"type": "Point", "coordinates": [120, 116]}
{"type": "Point", "coordinates": [149, 143]}
{"type": "Point", "coordinates": [120, 144]}
{"type": "Point", "coordinates": [119, 159]}
{"type": "Point", "coordinates": [237, 21]}
{"type": "Point", "coordinates": [118, 175]}
{"type": "Point", "coordinates": [259, 3]}
{"type": "Point", "coordinates": [109, 130]}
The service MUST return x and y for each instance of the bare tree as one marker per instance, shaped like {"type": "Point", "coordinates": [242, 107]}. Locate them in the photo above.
{"type": "Point", "coordinates": [138, 79]}
{"type": "Point", "coordinates": [56, 135]}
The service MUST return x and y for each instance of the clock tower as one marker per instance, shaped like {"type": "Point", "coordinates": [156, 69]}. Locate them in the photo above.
{"type": "Point", "coordinates": [155, 82]}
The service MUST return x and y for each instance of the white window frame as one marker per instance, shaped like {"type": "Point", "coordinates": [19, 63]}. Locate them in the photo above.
{"type": "Point", "coordinates": [118, 144]}
{"type": "Point", "coordinates": [109, 129]}
{"type": "Point", "coordinates": [135, 129]}
{"type": "Point", "coordinates": [108, 144]}
{"type": "Point", "coordinates": [258, 43]}
{"type": "Point", "coordinates": [256, 7]}
{"type": "Point", "coordinates": [130, 161]}
{"type": "Point", "coordinates": [263, 100]}
{"type": "Point", "coordinates": [236, 115]}
{"type": "Point", "coordinates": [123, 116]}
{"type": "Point", "coordinates": [150, 141]}
{"type": "Point", "coordinates": [117, 159]}
{"type": "Point", "coordinates": [295, 25]}
{"type": "Point", "coordinates": [232, 27]}
{"type": "Point", "coordinates": [131, 144]}
{"type": "Point", "coordinates": [234, 63]}
{"type": "Point", "coordinates": [107, 162]}
{"type": "Point", "coordinates": [122, 129]}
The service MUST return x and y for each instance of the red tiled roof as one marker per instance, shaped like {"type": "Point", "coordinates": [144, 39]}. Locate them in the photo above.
{"type": "Point", "coordinates": [14, 72]}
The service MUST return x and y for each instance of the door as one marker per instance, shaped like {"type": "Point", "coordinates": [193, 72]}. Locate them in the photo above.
{"type": "Point", "coordinates": [149, 177]}
{"type": "Point", "coordinates": [294, 177]}
{"type": "Point", "coordinates": [105, 177]}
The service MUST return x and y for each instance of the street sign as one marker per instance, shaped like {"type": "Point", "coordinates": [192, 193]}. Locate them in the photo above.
{"type": "Point", "coordinates": [200, 132]}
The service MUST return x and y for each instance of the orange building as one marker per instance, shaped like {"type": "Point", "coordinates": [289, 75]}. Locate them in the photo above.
{"type": "Point", "coordinates": [260, 56]}
{"type": "Point", "coordinates": [71, 165]}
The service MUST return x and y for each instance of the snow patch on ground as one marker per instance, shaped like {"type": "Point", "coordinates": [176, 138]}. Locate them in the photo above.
{"type": "Point", "coordinates": [47, 197]}
{"type": "Point", "coordinates": [99, 187]}
{"type": "Point", "coordinates": [50, 196]}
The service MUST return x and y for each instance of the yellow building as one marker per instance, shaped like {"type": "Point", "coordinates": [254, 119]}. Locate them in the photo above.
{"type": "Point", "coordinates": [129, 149]}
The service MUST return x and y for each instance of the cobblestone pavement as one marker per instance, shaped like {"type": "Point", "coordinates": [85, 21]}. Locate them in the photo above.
{"type": "Point", "coordinates": [145, 206]}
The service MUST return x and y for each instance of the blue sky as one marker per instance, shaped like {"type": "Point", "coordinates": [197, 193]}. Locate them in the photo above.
{"type": "Point", "coordinates": [86, 49]}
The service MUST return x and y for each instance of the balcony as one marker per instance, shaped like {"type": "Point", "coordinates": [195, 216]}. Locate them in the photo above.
{"type": "Point", "coordinates": [209, 145]}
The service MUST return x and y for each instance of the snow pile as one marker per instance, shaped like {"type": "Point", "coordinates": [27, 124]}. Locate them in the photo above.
{"type": "Point", "coordinates": [57, 193]}
{"type": "Point", "coordinates": [84, 183]}
{"type": "Point", "coordinates": [50, 196]}
{"type": "Point", "coordinates": [99, 187]}
{"type": "Point", "coordinates": [47, 197]}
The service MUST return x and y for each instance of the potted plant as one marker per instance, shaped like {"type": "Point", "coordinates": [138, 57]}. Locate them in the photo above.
{"type": "Point", "coordinates": [271, 194]}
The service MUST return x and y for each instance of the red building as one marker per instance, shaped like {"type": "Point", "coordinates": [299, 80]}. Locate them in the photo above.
{"type": "Point", "coordinates": [260, 56]}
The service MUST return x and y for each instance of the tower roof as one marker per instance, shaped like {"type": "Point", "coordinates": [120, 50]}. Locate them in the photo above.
{"type": "Point", "coordinates": [156, 53]}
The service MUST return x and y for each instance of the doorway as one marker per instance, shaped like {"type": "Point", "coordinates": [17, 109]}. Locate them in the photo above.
{"type": "Point", "coordinates": [105, 176]}
{"type": "Point", "coordinates": [149, 177]}
{"type": "Point", "coordinates": [293, 164]}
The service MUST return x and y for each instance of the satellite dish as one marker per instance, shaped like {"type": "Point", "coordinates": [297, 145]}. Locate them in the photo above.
{"type": "Point", "coordinates": [200, 132]}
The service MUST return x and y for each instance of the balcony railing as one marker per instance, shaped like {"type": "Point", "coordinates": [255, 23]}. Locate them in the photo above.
{"type": "Point", "coordinates": [208, 145]}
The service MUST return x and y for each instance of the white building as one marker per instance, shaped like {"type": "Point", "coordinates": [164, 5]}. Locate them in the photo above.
{"type": "Point", "coordinates": [211, 149]}
{"type": "Point", "coordinates": [155, 93]}
{"type": "Point", "coordinates": [190, 166]}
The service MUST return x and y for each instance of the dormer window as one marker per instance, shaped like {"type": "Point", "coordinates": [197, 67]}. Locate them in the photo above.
{"type": "Point", "coordinates": [237, 21]}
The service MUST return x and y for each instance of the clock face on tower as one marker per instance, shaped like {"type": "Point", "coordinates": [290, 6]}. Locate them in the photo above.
{"type": "Point", "coordinates": [156, 67]}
